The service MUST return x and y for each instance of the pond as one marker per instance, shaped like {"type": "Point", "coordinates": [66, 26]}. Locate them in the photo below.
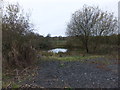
{"type": "Point", "coordinates": [57, 50]}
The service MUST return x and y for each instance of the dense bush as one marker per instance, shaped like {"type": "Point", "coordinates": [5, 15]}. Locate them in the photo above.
{"type": "Point", "coordinates": [20, 43]}
{"type": "Point", "coordinates": [97, 44]}
{"type": "Point", "coordinates": [17, 48]}
{"type": "Point", "coordinates": [39, 42]}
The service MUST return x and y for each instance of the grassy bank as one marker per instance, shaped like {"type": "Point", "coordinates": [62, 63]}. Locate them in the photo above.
{"type": "Point", "coordinates": [14, 78]}
{"type": "Point", "coordinates": [83, 58]}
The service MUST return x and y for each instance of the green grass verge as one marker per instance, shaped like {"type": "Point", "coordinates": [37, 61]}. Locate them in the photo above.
{"type": "Point", "coordinates": [86, 59]}
{"type": "Point", "coordinates": [71, 58]}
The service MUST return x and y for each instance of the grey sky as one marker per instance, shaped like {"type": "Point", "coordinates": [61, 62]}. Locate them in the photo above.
{"type": "Point", "coordinates": [52, 16]}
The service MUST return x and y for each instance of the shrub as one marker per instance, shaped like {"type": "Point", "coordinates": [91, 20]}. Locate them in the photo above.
{"type": "Point", "coordinates": [17, 48]}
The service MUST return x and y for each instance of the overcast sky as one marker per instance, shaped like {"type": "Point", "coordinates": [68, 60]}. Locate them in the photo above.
{"type": "Point", "coordinates": [52, 16]}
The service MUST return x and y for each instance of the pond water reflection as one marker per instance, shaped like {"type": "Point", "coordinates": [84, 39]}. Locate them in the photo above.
{"type": "Point", "coordinates": [57, 50]}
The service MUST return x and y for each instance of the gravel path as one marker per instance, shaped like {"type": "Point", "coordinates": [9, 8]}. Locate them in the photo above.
{"type": "Point", "coordinates": [74, 74]}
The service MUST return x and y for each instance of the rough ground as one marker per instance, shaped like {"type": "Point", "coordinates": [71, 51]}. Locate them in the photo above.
{"type": "Point", "coordinates": [74, 74]}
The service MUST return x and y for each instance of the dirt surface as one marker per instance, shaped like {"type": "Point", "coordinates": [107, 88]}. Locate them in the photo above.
{"type": "Point", "coordinates": [74, 74]}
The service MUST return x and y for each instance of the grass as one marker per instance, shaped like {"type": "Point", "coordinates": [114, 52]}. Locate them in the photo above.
{"type": "Point", "coordinates": [15, 85]}
{"type": "Point", "coordinates": [83, 59]}
{"type": "Point", "coordinates": [10, 84]}
{"type": "Point", "coordinates": [71, 58]}
{"type": "Point", "coordinates": [6, 77]}
{"type": "Point", "coordinates": [9, 77]}
{"type": "Point", "coordinates": [59, 43]}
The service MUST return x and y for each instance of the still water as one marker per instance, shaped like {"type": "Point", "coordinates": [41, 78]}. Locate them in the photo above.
{"type": "Point", "coordinates": [58, 50]}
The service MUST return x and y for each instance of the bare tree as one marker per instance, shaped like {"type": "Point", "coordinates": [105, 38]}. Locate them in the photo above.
{"type": "Point", "coordinates": [15, 28]}
{"type": "Point", "coordinates": [15, 20]}
{"type": "Point", "coordinates": [91, 21]}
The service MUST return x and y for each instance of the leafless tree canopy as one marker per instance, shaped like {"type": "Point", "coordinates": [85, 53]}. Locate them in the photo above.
{"type": "Point", "coordinates": [91, 21]}
{"type": "Point", "coordinates": [15, 20]}
{"type": "Point", "coordinates": [15, 29]}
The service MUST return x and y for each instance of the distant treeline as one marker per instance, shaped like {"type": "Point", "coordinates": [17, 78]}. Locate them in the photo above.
{"type": "Point", "coordinates": [96, 44]}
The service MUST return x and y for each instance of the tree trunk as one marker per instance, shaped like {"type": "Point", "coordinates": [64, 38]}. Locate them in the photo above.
{"type": "Point", "coordinates": [86, 46]}
{"type": "Point", "coordinates": [85, 43]}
